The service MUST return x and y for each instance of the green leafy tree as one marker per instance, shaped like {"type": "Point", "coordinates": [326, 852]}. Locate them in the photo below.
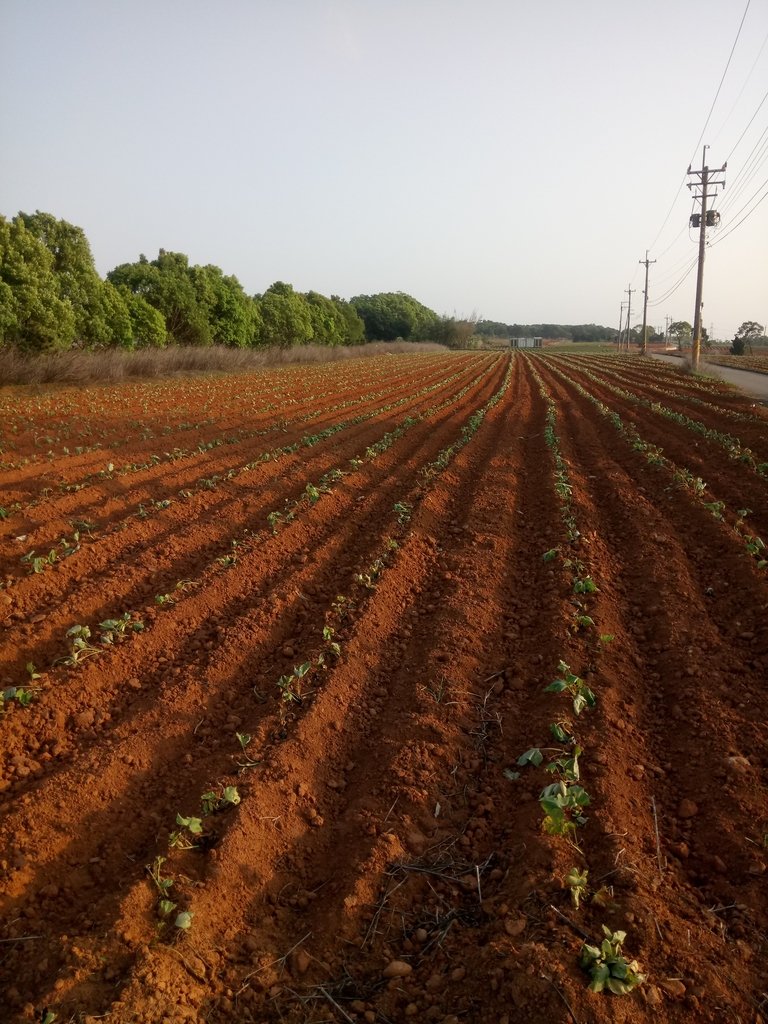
{"type": "Point", "coordinates": [232, 315]}
{"type": "Point", "coordinates": [749, 332]}
{"type": "Point", "coordinates": [681, 332]}
{"type": "Point", "coordinates": [391, 315]}
{"type": "Point", "coordinates": [329, 326]}
{"type": "Point", "coordinates": [33, 315]}
{"type": "Point", "coordinates": [285, 317]}
{"type": "Point", "coordinates": [169, 285]}
{"type": "Point", "coordinates": [354, 328]}
{"type": "Point", "coordinates": [148, 328]}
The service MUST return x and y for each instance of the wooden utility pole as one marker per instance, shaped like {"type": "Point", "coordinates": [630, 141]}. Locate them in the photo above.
{"type": "Point", "coordinates": [646, 261]}
{"type": "Point", "coordinates": [629, 291]}
{"type": "Point", "coordinates": [621, 321]}
{"type": "Point", "coordinates": [706, 183]}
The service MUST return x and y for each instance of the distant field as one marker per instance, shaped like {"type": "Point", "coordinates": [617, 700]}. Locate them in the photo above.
{"type": "Point", "coordinates": [279, 740]}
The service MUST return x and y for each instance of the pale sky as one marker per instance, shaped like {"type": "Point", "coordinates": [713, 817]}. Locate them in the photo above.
{"type": "Point", "coordinates": [505, 157]}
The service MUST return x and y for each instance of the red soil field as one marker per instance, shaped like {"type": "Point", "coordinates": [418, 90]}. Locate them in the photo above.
{"type": "Point", "coordinates": [276, 774]}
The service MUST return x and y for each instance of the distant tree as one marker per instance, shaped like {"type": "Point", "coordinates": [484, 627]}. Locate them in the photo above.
{"type": "Point", "coordinates": [329, 326]}
{"type": "Point", "coordinates": [33, 315]}
{"type": "Point", "coordinates": [354, 328]}
{"type": "Point", "coordinates": [169, 284]}
{"type": "Point", "coordinates": [285, 317]}
{"type": "Point", "coordinates": [681, 332]}
{"type": "Point", "coordinates": [391, 315]}
{"type": "Point", "coordinates": [749, 332]}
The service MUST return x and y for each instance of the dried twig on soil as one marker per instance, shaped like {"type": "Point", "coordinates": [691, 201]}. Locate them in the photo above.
{"type": "Point", "coordinates": [264, 967]}
{"type": "Point", "coordinates": [333, 1003]}
{"type": "Point", "coordinates": [658, 841]}
{"type": "Point", "coordinates": [571, 924]}
{"type": "Point", "coordinates": [568, 1007]}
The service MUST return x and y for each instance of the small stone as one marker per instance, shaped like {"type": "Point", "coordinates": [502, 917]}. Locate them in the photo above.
{"type": "Point", "coordinates": [301, 961]}
{"type": "Point", "coordinates": [674, 987]}
{"type": "Point", "coordinates": [421, 935]}
{"type": "Point", "coordinates": [651, 994]}
{"type": "Point", "coordinates": [396, 969]}
{"type": "Point", "coordinates": [515, 927]}
{"type": "Point", "coordinates": [737, 765]}
{"type": "Point", "coordinates": [687, 809]}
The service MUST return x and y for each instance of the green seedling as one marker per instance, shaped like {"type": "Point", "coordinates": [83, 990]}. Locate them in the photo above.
{"type": "Point", "coordinates": [551, 555]}
{"type": "Point", "coordinates": [165, 907]}
{"type": "Point", "coordinates": [562, 805]}
{"type": "Point", "coordinates": [567, 768]}
{"type": "Point", "coordinates": [312, 493]}
{"type": "Point", "coordinates": [583, 697]}
{"type": "Point", "coordinates": [333, 646]}
{"type": "Point", "coordinates": [585, 586]}
{"type": "Point", "coordinates": [213, 803]}
{"type": "Point", "coordinates": [179, 839]}
{"type": "Point", "coordinates": [184, 920]}
{"type": "Point", "coordinates": [47, 1016]}
{"type": "Point", "coordinates": [533, 756]}
{"type": "Point", "coordinates": [154, 871]}
{"type": "Point", "coordinates": [561, 732]}
{"type": "Point", "coordinates": [163, 600]}
{"type": "Point", "coordinates": [227, 561]}
{"type": "Point", "coordinates": [607, 638]}
{"type": "Point", "coordinates": [81, 647]}
{"type": "Point", "coordinates": [577, 883]}
{"type": "Point", "coordinates": [403, 511]}
{"type": "Point", "coordinates": [584, 621]}
{"type": "Point", "coordinates": [607, 968]}
{"type": "Point", "coordinates": [15, 693]}
{"type": "Point", "coordinates": [115, 631]}
{"type": "Point", "coordinates": [715, 507]}
{"type": "Point", "coordinates": [32, 671]}
{"type": "Point", "coordinates": [243, 738]}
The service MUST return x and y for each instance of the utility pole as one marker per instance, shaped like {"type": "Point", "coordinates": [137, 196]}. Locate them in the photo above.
{"type": "Point", "coordinates": [646, 261]}
{"type": "Point", "coordinates": [667, 321]}
{"type": "Point", "coordinates": [621, 321]}
{"type": "Point", "coordinates": [704, 186]}
{"type": "Point", "coordinates": [629, 291]}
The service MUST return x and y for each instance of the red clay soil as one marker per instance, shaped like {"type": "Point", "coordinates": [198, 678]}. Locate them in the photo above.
{"type": "Point", "coordinates": [380, 865]}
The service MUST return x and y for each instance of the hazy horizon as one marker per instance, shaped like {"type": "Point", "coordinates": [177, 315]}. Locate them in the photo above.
{"type": "Point", "coordinates": [485, 157]}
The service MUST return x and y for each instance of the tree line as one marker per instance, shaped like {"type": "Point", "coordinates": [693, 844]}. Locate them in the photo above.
{"type": "Point", "coordinates": [566, 332]}
{"type": "Point", "coordinates": [53, 299]}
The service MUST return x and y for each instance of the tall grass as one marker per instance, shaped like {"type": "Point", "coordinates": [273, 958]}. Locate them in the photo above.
{"type": "Point", "coordinates": [112, 366]}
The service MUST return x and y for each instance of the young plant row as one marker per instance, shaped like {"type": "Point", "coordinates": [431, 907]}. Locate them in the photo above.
{"type": "Point", "coordinates": [202, 397]}
{"type": "Point", "coordinates": [735, 449]}
{"type": "Point", "coordinates": [581, 581]}
{"type": "Point", "coordinates": [293, 690]}
{"type": "Point", "coordinates": [192, 832]}
{"type": "Point", "coordinates": [654, 375]}
{"type": "Point", "coordinates": [654, 456]}
{"type": "Point", "coordinates": [563, 802]}
{"type": "Point", "coordinates": [79, 636]}
{"type": "Point", "coordinates": [273, 455]}
{"type": "Point", "coordinates": [110, 471]}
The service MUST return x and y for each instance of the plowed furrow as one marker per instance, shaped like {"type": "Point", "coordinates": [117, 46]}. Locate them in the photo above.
{"type": "Point", "coordinates": [185, 700]}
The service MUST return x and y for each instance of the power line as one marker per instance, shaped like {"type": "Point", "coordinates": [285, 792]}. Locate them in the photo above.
{"type": "Point", "coordinates": [673, 289]}
{"type": "Point", "coordinates": [741, 91]}
{"type": "Point", "coordinates": [762, 101]}
{"type": "Point", "coordinates": [734, 226]}
{"type": "Point", "coordinates": [701, 136]}
{"type": "Point", "coordinates": [720, 86]}
{"type": "Point", "coordinates": [749, 170]}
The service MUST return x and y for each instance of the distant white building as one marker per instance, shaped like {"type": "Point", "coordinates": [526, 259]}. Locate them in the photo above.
{"type": "Point", "coordinates": [525, 342]}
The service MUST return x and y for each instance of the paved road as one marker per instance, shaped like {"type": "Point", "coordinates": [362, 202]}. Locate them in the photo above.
{"type": "Point", "coordinates": [755, 384]}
